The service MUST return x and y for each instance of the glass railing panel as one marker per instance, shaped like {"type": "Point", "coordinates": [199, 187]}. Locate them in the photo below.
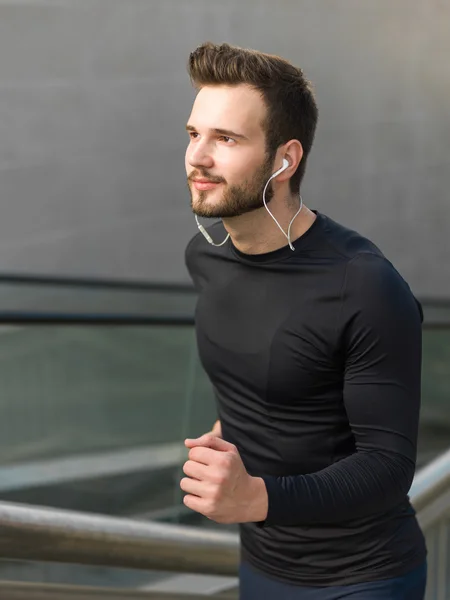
{"type": "Point", "coordinates": [434, 434]}
{"type": "Point", "coordinates": [93, 417]}
{"type": "Point", "coordinates": [74, 389]}
{"type": "Point", "coordinates": [102, 401]}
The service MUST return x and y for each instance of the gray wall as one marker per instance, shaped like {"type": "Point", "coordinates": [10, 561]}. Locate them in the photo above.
{"type": "Point", "coordinates": [94, 97]}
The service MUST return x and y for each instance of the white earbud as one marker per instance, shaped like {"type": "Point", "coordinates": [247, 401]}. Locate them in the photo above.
{"type": "Point", "coordinates": [283, 168]}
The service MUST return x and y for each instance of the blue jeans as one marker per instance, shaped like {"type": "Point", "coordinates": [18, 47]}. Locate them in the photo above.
{"type": "Point", "coordinates": [254, 585]}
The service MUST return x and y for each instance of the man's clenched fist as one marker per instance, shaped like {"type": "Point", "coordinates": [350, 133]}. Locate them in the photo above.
{"type": "Point", "coordinates": [218, 485]}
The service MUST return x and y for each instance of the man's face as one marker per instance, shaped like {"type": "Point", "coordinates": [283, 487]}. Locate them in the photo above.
{"type": "Point", "coordinates": [226, 161]}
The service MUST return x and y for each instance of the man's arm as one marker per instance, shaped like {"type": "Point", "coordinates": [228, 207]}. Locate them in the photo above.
{"type": "Point", "coordinates": [380, 333]}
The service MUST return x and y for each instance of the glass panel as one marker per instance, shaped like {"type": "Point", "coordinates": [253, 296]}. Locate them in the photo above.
{"type": "Point", "coordinates": [68, 390]}
{"type": "Point", "coordinates": [434, 434]}
{"type": "Point", "coordinates": [93, 418]}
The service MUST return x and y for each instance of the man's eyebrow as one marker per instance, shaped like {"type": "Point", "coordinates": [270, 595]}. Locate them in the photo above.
{"type": "Point", "coordinates": [226, 132]}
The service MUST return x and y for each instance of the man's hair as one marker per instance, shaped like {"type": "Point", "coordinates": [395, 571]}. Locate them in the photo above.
{"type": "Point", "coordinates": [291, 108]}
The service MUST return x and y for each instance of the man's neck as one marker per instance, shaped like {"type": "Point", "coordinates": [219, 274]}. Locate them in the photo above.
{"type": "Point", "coordinates": [257, 232]}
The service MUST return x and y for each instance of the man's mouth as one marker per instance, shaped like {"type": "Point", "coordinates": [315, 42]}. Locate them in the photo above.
{"type": "Point", "coordinates": [204, 184]}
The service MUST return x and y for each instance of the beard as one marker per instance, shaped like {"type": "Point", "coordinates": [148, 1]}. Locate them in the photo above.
{"type": "Point", "coordinates": [236, 200]}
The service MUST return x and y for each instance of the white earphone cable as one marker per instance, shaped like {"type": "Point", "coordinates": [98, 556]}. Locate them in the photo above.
{"type": "Point", "coordinates": [207, 236]}
{"type": "Point", "coordinates": [288, 234]}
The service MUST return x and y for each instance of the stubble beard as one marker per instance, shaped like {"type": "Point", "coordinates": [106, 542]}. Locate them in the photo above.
{"type": "Point", "coordinates": [236, 200]}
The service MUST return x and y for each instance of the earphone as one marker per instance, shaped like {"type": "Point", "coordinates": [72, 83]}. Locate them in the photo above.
{"type": "Point", "coordinates": [207, 236]}
{"type": "Point", "coordinates": [288, 234]}
{"type": "Point", "coordinates": [284, 166]}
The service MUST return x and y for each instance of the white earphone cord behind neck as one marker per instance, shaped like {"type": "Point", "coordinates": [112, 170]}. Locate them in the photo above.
{"type": "Point", "coordinates": [288, 234]}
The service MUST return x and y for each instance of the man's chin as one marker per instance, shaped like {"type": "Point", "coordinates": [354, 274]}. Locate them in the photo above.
{"type": "Point", "coordinates": [206, 214]}
{"type": "Point", "coordinates": [208, 210]}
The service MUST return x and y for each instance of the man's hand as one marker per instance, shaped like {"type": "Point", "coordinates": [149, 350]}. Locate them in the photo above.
{"type": "Point", "coordinates": [218, 485]}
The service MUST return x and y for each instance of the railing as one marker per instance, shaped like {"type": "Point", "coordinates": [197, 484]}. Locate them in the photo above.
{"type": "Point", "coordinates": [34, 533]}
{"type": "Point", "coordinates": [38, 591]}
{"type": "Point", "coordinates": [430, 494]}
{"type": "Point", "coordinates": [43, 534]}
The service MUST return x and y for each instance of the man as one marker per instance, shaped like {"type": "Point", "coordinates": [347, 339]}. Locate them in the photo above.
{"type": "Point", "coordinates": [312, 342]}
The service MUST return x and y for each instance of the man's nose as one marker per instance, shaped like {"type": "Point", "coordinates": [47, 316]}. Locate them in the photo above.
{"type": "Point", "coordinates": [200, 157]}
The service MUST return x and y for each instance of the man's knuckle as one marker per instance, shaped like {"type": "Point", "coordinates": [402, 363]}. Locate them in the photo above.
{"type": "Point", "coordinates": [194, 454]}
{"type": "Point", "coordinates": [221, 477]}
{"type": "Point", "coordinates": [223, 461]}
{"type": "Point", "coordinates": [188, 467]}
{"type": "Point", "coordinates": [216, 495]}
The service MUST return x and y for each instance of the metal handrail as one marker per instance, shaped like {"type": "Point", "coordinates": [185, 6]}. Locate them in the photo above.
{"type": "Point", "coordinates": [430, 491]}
{"type": "Point", "coordinates": [18, 590]}
{"type": "Point", "coordinates": [44, 534]}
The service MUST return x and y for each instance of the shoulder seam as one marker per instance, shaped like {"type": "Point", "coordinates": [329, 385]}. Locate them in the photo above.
{"type": "Point", "coordinates": [365, 253]}
{"type": "Point", "coordinates": [345, 279]}
{"type": "Point", "coordinates": [341, 303]}
{"type": "Point", "coordinates": [350, 258]}
{"type": "Point", "coordinates": [330, 244]}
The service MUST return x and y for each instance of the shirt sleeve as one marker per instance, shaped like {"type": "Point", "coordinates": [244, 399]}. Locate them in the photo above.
{"type": "Point", "coordinates": [379, 334]}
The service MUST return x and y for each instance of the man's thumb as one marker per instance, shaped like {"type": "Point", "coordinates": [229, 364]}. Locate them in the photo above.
{"type": "Point", "coordinates": [209, 441]}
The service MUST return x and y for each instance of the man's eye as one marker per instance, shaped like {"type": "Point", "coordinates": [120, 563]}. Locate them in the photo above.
{"type": "Point", "coordinates": [226, 138]}
{"type": "Point", "coordinates": [193, 134]}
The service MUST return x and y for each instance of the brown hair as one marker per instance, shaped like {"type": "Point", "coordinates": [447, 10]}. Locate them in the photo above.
{"type": "Point", "coordinates": [291, 108]}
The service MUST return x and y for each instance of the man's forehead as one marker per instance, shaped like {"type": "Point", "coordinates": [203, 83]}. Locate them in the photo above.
{"type": "Point", "coordinates": [228, 107]}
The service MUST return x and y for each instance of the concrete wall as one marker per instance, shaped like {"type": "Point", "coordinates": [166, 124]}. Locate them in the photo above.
{"type": "Point", "coordinates": [94, 97]}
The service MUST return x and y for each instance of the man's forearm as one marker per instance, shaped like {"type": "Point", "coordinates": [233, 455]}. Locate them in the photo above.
{"type": "Point", "coordinates": [359, 485]}
{"type": "Point", "coordinates": [258, 500]}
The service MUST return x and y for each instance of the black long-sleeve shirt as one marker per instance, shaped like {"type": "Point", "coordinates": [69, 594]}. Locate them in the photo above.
{"type": "Point", "coordinates": [315, 359]}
